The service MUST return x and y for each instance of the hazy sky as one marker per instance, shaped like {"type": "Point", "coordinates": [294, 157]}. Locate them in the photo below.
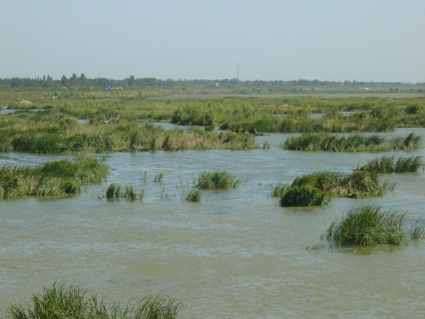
{"type": "Point", "coordinates": [368, 40]}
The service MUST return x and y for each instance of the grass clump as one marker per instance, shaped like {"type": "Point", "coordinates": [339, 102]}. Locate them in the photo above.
{"type": "Point", "coordinates": [358, 184]}
{"type": "Point", "coordinates": [52, 179]}
{"type": "Point", "coordinates": [303, 196]}
{"type": "Point", "coordinates": [387, 164]}
{"type": "Point", "coordinates": [324, 142]}
{"type": "Point", "coordinates": [74, 302]}
{"type": "Point", "coordinates": [369, 225]}
{"type": "Point", "coordinates": [217, 179]}
{"type": "Point", "coordinates": [128, 192]}
{"type": "Point", "coordinates": [194, 195]}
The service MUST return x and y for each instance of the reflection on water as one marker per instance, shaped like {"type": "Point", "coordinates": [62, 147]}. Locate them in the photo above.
{"type": "Point", "coordinates": [237, 254]}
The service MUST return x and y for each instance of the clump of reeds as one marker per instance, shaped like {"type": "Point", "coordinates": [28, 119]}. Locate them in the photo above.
{"type": "Point", "coordinates": [387, 164]}
{"type": "Point", "coordinates": [303, 196]}
{"type": "Point", "coordinates": [355, 185]}
{"type": "Point", "coordinates": [74, 302]}
{"type": "Point", "coordinates": [128, 192]}
{"type": "Point", "coordinates": [51, 179]}
{"type": "Point", "coordinates": [194, 195]}
{"type": "Point", "coordinates": [217, 179]}
{"type": "Point", "coordinates": [317, 142]}
{"type": "Point", "coordinates": [369, 225]}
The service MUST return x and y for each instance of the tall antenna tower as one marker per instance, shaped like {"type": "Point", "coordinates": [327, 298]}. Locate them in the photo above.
{"type": "Point", "coordinates": [237, 70]}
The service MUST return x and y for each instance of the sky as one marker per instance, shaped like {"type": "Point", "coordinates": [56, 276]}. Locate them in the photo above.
{"type": "Point", "coordinates": [328, 40]}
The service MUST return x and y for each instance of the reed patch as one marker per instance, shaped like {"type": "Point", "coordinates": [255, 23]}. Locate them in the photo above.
{"type": "Point", "coordinates": [324, 142]}
{"type": "Point", "coordinates": [369, 225]}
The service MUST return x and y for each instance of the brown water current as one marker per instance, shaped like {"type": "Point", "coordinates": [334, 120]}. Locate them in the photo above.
{"type": "Point", "coordinates": [237, 254]}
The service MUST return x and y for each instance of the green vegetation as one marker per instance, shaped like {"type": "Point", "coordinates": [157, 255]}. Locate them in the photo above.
{"type": "Point", "coordinates": [303, 196]}
{"type": "Point", "coordinates": [158, 177]}
{"type": "Point", "coordinates": [217, 179]}
{"type": "Point", "coordinates": [387, 164]}
{"type": "Point", "coordinates": [355, 143]}
{"type": "Point", "coordinates": [194, 195]}
{"type": "Point", "coordinates": [74, 302]}
{"type": "Point", "coordinates": [358, 184]}
{"type": "Point", "coordinates": [279, 189]}
{"type": "Point", "coordinates": [127, 192]}
{"type": "Point", "coordinates": [51, 132]}
{"type": "Point", "coordinates": [53, 179]}
{"type": "Point", "coordinates": [368, 225]}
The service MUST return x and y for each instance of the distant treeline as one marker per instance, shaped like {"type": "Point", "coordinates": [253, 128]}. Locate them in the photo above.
{"type": "Point", "coordinates": [82, 81]}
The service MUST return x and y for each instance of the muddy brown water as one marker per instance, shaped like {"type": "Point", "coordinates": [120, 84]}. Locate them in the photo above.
{"type": "Point", "coordinates": [237, 254]}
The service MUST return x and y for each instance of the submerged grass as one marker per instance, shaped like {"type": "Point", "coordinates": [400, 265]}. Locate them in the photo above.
{"type": "Point", "coordinates": [318, 142]}
{"type": "Point", "coordinates": [387, 164]}
{"type": "Point", "coordinates": [128, 192]}
{"type": "Point", "coordinates": [74, 302]}
{"type": "Point", "coordinates": [217, 179]}
{"type": "Point", "coordinates": [369, 225]}
{"type": "Point", "coordinates": [52, 179]}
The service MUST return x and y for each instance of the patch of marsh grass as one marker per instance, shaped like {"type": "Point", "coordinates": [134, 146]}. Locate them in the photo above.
{"type": "Point", "coordinates": [324, 142]}
{"type": "Point", "coordinates": [53, 178]}
{"type": "Point", "coordinates": [217, 179]}
{"type": "Point", "coordinates": [74, 302]}
{"type": "Point", "coordinates": [358, 184]}
{"type": "Point", "coordinates": [369, 225]}
{"type": "Point", "coordinates": [303, 196]}
{"type": "Point", "coordinates": [115, 191]}
{"type": "Point", "coordinates": [194, 195]}
{"type": "Point", "coordinates": [387, 164]}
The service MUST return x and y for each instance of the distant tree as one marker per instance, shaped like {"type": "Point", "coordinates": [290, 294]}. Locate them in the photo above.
{"type": "Point", "coordinates": [64, 80]}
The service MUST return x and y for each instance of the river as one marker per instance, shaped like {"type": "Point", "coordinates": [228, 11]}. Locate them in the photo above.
{"type": "Point", "coordinates": [237, 254]}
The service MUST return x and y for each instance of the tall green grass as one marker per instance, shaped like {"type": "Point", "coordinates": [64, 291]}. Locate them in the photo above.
{"type": "Point", "coordinates": [303, 196]}
{"type": "Point", "coordinates": [74, 302]}
{"type": "Point", "coordinates": [53, 178]}
{"type": "Point", "coordinates": [369, 225]}
{"type": "Point", "coordinates": [318, 142]}
{"type": "Point", "coordinates": [387, 164]}
{"type": "Point", "coordinates": [358, 184]}
{"type": "Point", "coordinates": [194, 195]}
{"type": "Point", "coordinates": [217, 179]}
{"type": "Point", "coordinates": [115, 191]}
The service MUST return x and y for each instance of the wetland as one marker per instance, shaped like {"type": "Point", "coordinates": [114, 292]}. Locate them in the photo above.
{"type": "Point", "coordinates": [234, 252]}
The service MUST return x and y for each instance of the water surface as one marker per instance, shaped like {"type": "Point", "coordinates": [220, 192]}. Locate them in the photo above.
{"type": "Point", "coordinates": [237, 254]}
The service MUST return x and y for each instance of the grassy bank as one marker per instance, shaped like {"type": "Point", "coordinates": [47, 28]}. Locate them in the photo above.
{"type": "Point", "coordinates": [50, 132]}
{"type": "Point", "coordinates": [332, 143]}
{"type": "Point", "coordinates": [369, 225]}
{"type": "Point", "coordinates": [74, 302]}
{"type": "Point", "coordinates": [52, 179]}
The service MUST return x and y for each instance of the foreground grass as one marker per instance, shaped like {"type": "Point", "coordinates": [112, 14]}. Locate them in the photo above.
{"type": "Point", "coordinates": [217, 179]}
{"type": "Point", "coordinates": [369, 225]}
{"type": "Point", "coordinates": [387, 164]}
{"type": "Point", "coordinates": [52, 179]}
{"type": "Point", "coordinates": [323, 142]}
{"type": "Point", "coordinates": [74, 302]}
